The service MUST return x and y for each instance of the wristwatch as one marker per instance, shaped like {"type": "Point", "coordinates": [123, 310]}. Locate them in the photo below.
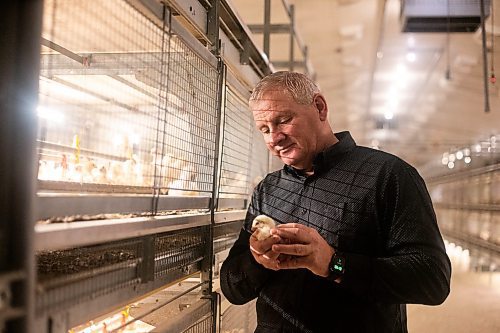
{"type": "Point", "coordinates": [336, 267]}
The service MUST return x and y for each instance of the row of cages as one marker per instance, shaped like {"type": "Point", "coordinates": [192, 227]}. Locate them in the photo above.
{"type": "Point", "coordinates": [467, 207]}
{"type": "Point", "coordinates": [479, 188]}
{"type": "Point", "coordinates": [146, 157]}
{"type": "Point", "coordinates": [482, 225]}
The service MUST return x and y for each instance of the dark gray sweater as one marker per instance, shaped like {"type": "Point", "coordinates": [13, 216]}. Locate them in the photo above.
{"type": "Point", "coordinates": [370, 205]}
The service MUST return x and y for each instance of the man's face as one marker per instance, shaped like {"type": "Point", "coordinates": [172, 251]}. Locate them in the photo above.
{"type": "Point", "coordinates": [290, 129]}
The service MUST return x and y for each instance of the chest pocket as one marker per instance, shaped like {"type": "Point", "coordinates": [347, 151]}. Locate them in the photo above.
{"type": "Point", "coordinates": [348, 227]}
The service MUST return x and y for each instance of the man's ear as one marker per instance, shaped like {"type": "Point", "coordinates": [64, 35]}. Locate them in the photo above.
{"type": "Point", "coordinates": [320, 105]}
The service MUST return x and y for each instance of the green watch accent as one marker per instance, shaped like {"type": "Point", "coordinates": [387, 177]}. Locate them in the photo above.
{"type": "Point", "coordinates": [337, 266]}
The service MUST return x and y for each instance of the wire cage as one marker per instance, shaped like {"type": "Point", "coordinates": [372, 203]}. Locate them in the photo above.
{"type": "Point", "coordinates": [466, 207]}
{"type": "Point", "coordinates": [136, 128]}
{"type": "Point", "coordinates": [68, 277]}
{"type": "Point", "coordinates": [239, 318]}
{"type": "Point", "coordinates": [204, 325]}
{"type": "Point", "coordinates": [237, 147]}
{"type": "Point", "coordinates": [123, 104]}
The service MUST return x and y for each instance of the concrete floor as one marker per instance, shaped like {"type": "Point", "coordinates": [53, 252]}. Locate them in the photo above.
{"type": "Point", "coordinates": [472, 306]}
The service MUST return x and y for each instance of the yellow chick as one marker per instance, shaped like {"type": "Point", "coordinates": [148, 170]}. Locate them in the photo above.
{"type": "Point", "coordinates": [263, 224]}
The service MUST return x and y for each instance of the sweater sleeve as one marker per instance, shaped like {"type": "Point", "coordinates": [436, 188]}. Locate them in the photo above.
{"type": "Point", "coordinates": [414, 267]}
{"type": "Point", "coordinates": [242, 277]}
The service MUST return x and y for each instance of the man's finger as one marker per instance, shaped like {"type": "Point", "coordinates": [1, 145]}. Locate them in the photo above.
{"type": "Point", "coordinates": [291, 249]}
{"type": "Point", "coordinates": [293, 263]}
{"type": "Point", "coordinates": [255, 251]}
{"type": "Point", "coordinates": [294, 235]}
{"type": "Point", "coordinates": [291, 225]}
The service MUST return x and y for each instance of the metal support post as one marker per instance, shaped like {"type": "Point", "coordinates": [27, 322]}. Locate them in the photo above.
{"type": "Point", "coordinates": [20, 23]}
{"type": "Point", "coordinates": [292, 36]}
{"type": "Point", "coordinates": [267, 27]}
{"type": "Point", "coordinates": [213, 26]}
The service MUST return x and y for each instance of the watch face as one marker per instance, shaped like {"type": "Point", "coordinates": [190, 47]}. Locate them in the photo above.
{"type": "Point", "coordinates": [337, 265]}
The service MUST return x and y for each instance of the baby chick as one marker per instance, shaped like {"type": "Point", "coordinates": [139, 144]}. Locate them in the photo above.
{"type": "Point", "coordinates": [263, 224]}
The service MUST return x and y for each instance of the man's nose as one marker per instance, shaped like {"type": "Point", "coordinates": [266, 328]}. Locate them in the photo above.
{"type": "Point", "coordinates": [275, 137]}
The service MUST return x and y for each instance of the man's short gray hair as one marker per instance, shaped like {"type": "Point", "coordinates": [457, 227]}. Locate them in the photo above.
{"type": "Point", "coordinates": [298, 85]}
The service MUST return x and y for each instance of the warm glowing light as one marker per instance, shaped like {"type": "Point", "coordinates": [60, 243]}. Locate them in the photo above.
{"type": "Point", "coordinates": [467, 159]}
{"type": "Point", "coordinates": [411, 41]}
{"type": "Point", "coordinates": [477, 148]}
{"type": "Point", "coordinates": [451, 165]}
{"type": "Point", "coordinates": [411, 56]}
{"type": "Point", "coordinates": [134, 139]}
{"type": "Point", "coordinates": [401, 70]}
{"type": "Point", "coordinates": [49, 114]}
{"type": "Point", "coordinates": [388, 115]}
{"type": "Point", "coordinates": [117, 140]}
{"type": "Point", "coordinates": [459, 155]}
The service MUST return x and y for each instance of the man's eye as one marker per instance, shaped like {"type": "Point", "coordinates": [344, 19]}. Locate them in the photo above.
{"type": "Point", "coordinates": [264, 130]}
{"type": "Point", "coordinates": [285, 120]}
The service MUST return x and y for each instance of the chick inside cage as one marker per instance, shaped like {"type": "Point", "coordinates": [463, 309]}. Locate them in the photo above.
{"type": "Point", "coordinates": [123, 105]}
{"type": "Point", "coordinates": [147, 155]}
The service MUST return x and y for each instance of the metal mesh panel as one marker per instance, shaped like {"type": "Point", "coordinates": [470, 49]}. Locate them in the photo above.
{"type": "Point", "coordinates": [122, 104]}
{"type": "Point", "coordinates": [259, 163]}
{"type": "Point", "coordinates": [188, 123]}
{"type": "Point", "coordinates": [237, 146]}
{"type": "Point", "coordinates": [97, 118]}
{"type": "Point", "coordinates": [179, 249]}
{"type": "Point", "coordinates": [239, 318]}
{"type": "Point", "coordinates": [71, 276]}
{"type": "Point", "coordinates": [202, 326]}
{"type": "Point", "coordinates": [225, 234]}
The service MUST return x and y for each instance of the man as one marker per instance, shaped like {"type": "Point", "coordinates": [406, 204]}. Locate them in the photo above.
{"type": "Point", "coordinates": [357, 237]}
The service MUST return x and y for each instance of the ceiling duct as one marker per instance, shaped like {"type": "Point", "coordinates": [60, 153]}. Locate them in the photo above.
{"type": "Point", "coordinates": [442, 15]}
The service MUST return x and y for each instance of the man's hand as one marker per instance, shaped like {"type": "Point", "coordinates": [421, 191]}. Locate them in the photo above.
{"type": "Point", "coordinates": [261, 250]}
{"type": "Point", "coordinates": [304, 247]}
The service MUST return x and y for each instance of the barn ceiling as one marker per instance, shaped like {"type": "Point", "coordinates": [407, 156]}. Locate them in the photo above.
{"type": "Point", "coordinates": [417, 95]}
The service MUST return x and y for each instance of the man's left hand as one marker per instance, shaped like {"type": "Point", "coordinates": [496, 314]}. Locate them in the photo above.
{"type": "Point", "coordinates": [307, 248]}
